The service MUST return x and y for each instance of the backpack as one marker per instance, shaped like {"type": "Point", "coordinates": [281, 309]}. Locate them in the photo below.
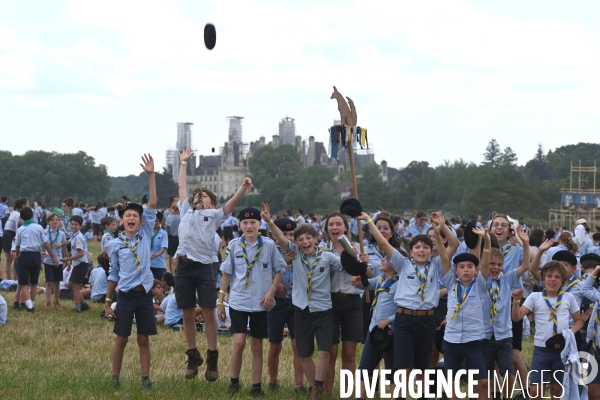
{"type": "Point", "coordinates": [42, 219]}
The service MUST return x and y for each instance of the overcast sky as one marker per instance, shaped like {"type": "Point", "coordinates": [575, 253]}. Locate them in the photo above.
{"type": "Point", "coordinates": [431, 80]}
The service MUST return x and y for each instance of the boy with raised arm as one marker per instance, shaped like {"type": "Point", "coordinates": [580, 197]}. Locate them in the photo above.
{"type": "Point", "coordinates": [200, 220]}
{"type": "Point", "coordinates": [129, 256]}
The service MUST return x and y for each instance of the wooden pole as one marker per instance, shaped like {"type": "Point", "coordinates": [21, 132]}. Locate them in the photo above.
{"type": "Point", "coordinates": [355, 190]}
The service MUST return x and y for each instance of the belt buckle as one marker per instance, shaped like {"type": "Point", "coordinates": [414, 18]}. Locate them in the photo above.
{"type": "Point", "coordinates": [414, 313]}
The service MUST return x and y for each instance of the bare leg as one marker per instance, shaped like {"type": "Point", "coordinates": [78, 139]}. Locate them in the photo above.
{"type": "Point", "coordinates": [239, 343]}
{"type": "Point", "coordinates": [273, 361]}
{"type": "Point", "coordinates": [330, 375]}
{"type": "Point", "coordinates": [144, 345]}
{"type": "Point", "coordinates": [189, 327]}
{"type": "Point", "coordinates": [257, 359]}
{"type": "Point", "coordinates": [118, 351]}
{"type": "Point", "coordinates": [210, 326]}
{"type": "Point", "coordinates": [298, 373]}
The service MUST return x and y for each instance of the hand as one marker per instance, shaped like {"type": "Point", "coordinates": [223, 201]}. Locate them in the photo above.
{"type": "Point", "coordinates": [185, 155]}
{"type": "Point", "coordinates": [517, 294]}
{"type": "Point", "coordinates": [437, 218]}
{"type": "Point", "coordinates": [527, 283]}
{"type": "Point", "coordinates": [546, 245]}
{"type": "Point", "coordinates": [364, 258]}
{"type": "Point", "coordinates": [55, 261]}
{"type": "Point", "coordinates": [363, 216]}
{"type": "Point", "coordinates": [148, 163]}
{"type": "Point", "coordinates": [268, 301]}
{"type": "Point", "coordinates": [383, 323]}
{"type": "Point", "coordinates": [442, 324]}
{"type": "Point", "coordinates": [109, 311]}
{"type": "Point", "coordinates": [290, 256]}
{"type": "Point", "coordinates": [16, 259]}
{"type": "Point", "coordinates": [58, 245]}
{"type": "Point", "coordinates": [280, 291]}
{"type": "Point", "coordinates": [480, 232]}
{"type": "Point", "coordinates": [247, 183]}
{"type": "Point", "coordinates": [44, 254]}
{"type": "Point", "coordinates": [356, 281]}
{"type": "Point", "coordinates": [523, 234]}
{"type": "Point", "coordinates": [152, 256]}
{"type": "Point", "coordinates": [221, 313]}
{"type": "Point", "coordinates": [266, 213]}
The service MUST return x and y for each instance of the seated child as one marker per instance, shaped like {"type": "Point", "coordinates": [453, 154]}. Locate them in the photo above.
{"type": "Point", "coordinates": [98, 281]}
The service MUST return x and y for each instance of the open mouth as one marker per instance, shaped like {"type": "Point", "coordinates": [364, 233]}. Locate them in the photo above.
{"type": "Point", "coordinates": [131, 225]}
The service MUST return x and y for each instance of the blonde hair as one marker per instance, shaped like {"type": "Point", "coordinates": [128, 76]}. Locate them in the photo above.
{"type": "Point", "coordinates": [555, 266]}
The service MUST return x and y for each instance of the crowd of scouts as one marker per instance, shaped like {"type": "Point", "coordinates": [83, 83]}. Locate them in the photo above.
{"type": "Point", "coordinates": [464, 291]}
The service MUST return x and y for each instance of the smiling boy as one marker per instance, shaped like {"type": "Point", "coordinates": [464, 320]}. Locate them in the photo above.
{"type": "Point", "coordinates": [129, 256]}
{"type": "Point", "coordinates": [78, 258]}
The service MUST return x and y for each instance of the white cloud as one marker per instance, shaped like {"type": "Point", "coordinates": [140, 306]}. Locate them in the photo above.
{"type": "Point", "coordinates": [93, 99]}
{"type": "Point", "coordinates": [28, 101]}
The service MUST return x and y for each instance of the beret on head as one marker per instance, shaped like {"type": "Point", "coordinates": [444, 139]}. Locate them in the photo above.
{"type": "Point", "coordinates": [351, 207]}
{"type": "Point", "coordinates": [249, 213]}
{"type": "Point", "coordinates": [550, 234]}
{"type": "Point", "coordinates": [466, 257]}
{"type": "Point", "coordinates": [590, 256]}
{"type": "Point", "coordinates": [169, 278]}
{"type": "Point", "coordinates": [58, 211]}
{"type": "Point", "coordinates": [470, 237]}
{"type": "Point", "coordinates": [565, 255]}
{"type": "Point", "coordinates": [131, 206]}
{"type": "Point", "coordinates": [596, 236]}
{"type": "Point", "coordinates": [285, 224]}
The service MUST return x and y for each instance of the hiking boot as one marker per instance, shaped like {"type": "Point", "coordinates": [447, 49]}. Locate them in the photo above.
{"type": "Point", "coordinates": [116, 381]}
{"type": "Point", "coordinates": [233, 387]}
{"type": "Point", "coordinates": [193, 362]}
{"type": "Point", "coordinates": [16, 307]}
{"type": "Point", "coordinates": [273, 386]}
{"type": "Point", "coordinates": [257, 392]}
{"type": "Point", "coordinates": [212, 368]}
{"type": "Point", "coordinates": [30, 310]}
{"type": "Point", "coordinates": [146, 384]}
{"type": "Point", "coordinates": [85, 307]}
{"type": "Point", "coordinates": [48, 304]}
{"type": "Point", "coordinates": [22, 307]}
{"type": "Point", "coordinates": [57, 305]}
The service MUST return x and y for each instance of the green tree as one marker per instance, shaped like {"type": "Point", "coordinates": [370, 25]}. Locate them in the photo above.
{"type": "Point", "coordinates": [492, 153]}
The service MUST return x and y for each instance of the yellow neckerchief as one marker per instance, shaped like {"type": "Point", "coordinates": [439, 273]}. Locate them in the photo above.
{"type": "Point", "coordinates": [461, 297]}
{"type": "Point", "coordinates": [554, 309]}
{"type": "Point", "coordinates": [422, 278]}
{"type": "Point", "coordinates": [132, 248]}
{"type": "Point", "coordinates": [249, 264]}
{"type": "Point", "coordinates": [381, 286]}
{"type": "Point", "coordinates": [310, 270]}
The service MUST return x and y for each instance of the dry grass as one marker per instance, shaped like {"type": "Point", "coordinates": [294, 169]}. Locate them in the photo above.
{"type": "Point", "coordinates": [57, 354]}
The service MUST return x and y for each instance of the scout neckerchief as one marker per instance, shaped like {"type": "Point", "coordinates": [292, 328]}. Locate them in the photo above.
{"type": "Point", "coordinates": [382, 286]}
{"type": "Point", "coordinates": [112, 234]}
{"type": "Point", "coordinates": [28, 222]}
{"type": "Point", "coordinates": [595, 331]}
{"type": "Point", "coordinates": [133, 248]}
{"type": "Point", "coordinates": [494, 294]}
{"type": "Point", "coordinates": [574, 281]}
{"type": "Point", "coordinates": [310, 270]}
{"type": "Point", "coordinates": [554, 309]}
{"type": "Point", "coordinates": [461, 296]}
{"type": "Point", "coordinates": [422, 278]}
{"type": "Point", "coordinates": [507, 249]}
{"type": "Point", "coordinates": [52, 241]}
{"type": "Point", "coordinates": [249, 264]}
{"type": "Point", "coordinates": [381, 253]}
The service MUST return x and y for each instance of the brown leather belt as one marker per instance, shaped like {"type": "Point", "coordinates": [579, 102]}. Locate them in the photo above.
{"type": "Point", "coordinates": [340, 294]}
{"type": "Point", "coordinates": [139, 288]}
{"type": "Point", "coordinates": [414, 313]}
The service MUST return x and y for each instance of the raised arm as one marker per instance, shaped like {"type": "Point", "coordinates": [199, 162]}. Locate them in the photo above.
{"type": "Point", "coordinates": [436, 217]}
{"type": "Point", "coordinates": [484, 263]}
{"type": "Point", "coordinates": [535, 265]}
{"type": "Point", "coordinates": [275, 231]}
{"type": "Point", "coordinates": [184, 157]}
{"type": "Point", "coordinates": [230, 205]}
{"type": "Point", "coordinates": [518, 312]}
{"type": "Point", "coordinates": [523, 235]}
{"type": "Point", "coordinates": [444, 258]}
{"type": "Point", "coordinates": [384, 245]}
{"type": "Point", "coordinates": [587, 289]}
{"type": "Point", "coordinates": [148, 166]}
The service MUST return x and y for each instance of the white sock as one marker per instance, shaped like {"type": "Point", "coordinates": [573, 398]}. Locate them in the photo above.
{"type": "Point", "coordinates": [29, 303]}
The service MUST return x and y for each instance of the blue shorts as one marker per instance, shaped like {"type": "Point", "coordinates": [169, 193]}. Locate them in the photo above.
{"type": "Point", "coordinates": [194, 278]}
{"type": "Point", "coordinates": [413, 339]}
{"type": "Point", "coordinates": [30, 264]}
{"type": "Point", "coordinates": [546, 360]}
{"type": "Point", "coordinates": [470, 352]}
{"type": "Point", "coordinates": [370, 357]}
{"type": "Point", "coordinates": [140, 304]}
{"type": "Point", "coordinates": [279, 316]}
{"type": "Point", "coordinates": [500, 351]}
{"type": "Point", "coordinates": [53, 274]}
{"type": "Point", "coordinates": [157, 273]}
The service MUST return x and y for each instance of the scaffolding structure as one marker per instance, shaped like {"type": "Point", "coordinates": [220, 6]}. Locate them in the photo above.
{"type": "Point", "coordinates": [580, 200]}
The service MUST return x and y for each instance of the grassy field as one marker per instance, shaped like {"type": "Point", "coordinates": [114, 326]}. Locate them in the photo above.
{"type": "Point", "coordinates": [58, 354]}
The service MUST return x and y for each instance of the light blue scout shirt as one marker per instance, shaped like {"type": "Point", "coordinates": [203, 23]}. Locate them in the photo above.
{"type": "Point", "coordinates": [67, 225]}
{"type": "Point", "coordinates": [172, 313]}
{"type": "Point", "coordinates": [467, 326]}
{"type": "Point", "coordinates": [585, 247]}
{"type": "Point", "coordinates": [513, 257]}
{"type": "Point", "coordinates": [462, 247]}
{"type": "Point", "coordinates": [413, 230]}
{"type": "Point", "coordinates": [320, 298]}
{"type": "Point", "coordinates": [385, 306]}
{"type": "Point", "coordinates": [96, 216]}
{"type": "Point", "coordinates": [157, 241]}
{"type": "Point", "coordinates": [77, 211]}
{"type": "Point", "coordinates": [354, 226]}
{"type": "Point", "coordinates": [406, 292]}
{"type": "Point", "coordinates": [230, 221]}
{"type": "Point", "coordinates": [197, 231]}
{"type": "Point", "coordinates": [375, 255]}
{"type": "Point", "coordinates": [3, 210]}
{"type": "Point", "coordinates": [3, 311]}
{"type": "Point", "coordinates": [593, 294]}
{"type": "Point", "coordinates": [78, 242]}
{"type": "Point", "coordinates": [269, 262]}
{"type": "Point", "coordinates": [99, 283]}
{"type": "Point", "coordinates": [31, 238]}
{"type": "Point", "coordinates": [550, 252]}
{"type": "Point", "coordinates": [216, 246]}
{"type": "Point", "coordinates": [123, 267]}
{"type": "Point", "coordinates": [287, 277]}
{"type": "Point", "coordinates": [52, 238]}
{"type": "Point", "coordinates": [501, 326]}
{"type": "Point", "coordinates": [106, 238]}
{"type": "Point", "coordinates": [595, 250]}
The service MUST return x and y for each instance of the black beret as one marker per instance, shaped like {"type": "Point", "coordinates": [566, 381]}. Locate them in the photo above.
{"type": "Point", "coordinates": [590, 256]}
{"type": "Point", "coordinates": [382, 339]}
{"type": "Point", "coordinates": [210, 38]}
{"type": "Point", "coordinates": [131, 206]}
{"type": "Point", "coordinates": [565, 255]}
{"type": "Point", "coordinates": [249, 213]}
{"type": "Point", "coordinates": [462, 257]}
{"type": "Point", "coordinates": [285, 224]}
{"type": "Point", "coordinates": [354, 267]}
{"type": "Point", "coordinates": [550, 234]}
{"type": "Point", "coordinates": [556, 342]}
{"type": "Point", "coordinates": [351, 207]}
{"type": "Point", "coordinates": [169, 278]}
{"type": "Point", "coordinates": [470, 238]}
{"type": "Point", "coordinates": [596, 236]}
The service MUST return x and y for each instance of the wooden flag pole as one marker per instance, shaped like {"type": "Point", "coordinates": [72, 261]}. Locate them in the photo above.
{"type": "Point", "coordinates": [355, 190]}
